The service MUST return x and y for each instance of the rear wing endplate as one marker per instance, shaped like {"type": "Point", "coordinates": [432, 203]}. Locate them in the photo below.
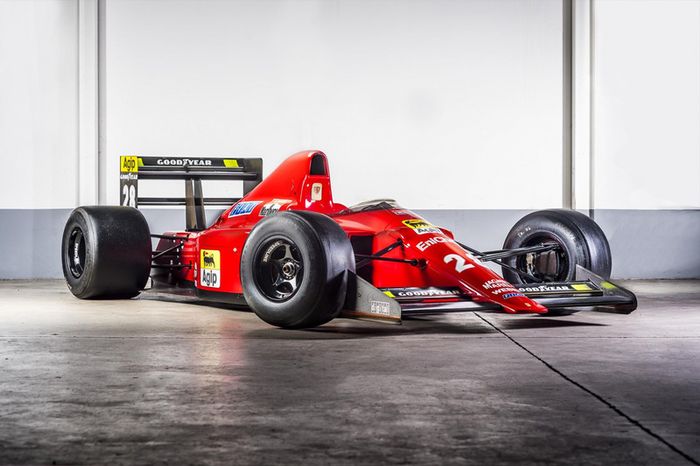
{"type": "Point", "coordinates": [133, 168]}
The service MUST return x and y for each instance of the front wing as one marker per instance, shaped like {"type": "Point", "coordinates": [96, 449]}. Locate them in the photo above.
{"type": "Point", "coordinates": [391, 304]}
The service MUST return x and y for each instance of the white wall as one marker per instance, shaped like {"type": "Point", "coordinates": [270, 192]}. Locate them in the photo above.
{"type": "Point", "coordinates": [646, 104]}
{"type": "Point", "coordinates": [38, 103]}
{"type": "Point", "coordinates": [440, 104]}
{"type": "Point", "coordinates": [461, 97]}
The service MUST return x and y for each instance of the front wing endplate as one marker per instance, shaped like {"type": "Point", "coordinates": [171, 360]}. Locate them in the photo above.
{"type": "Point", "coordinates": [364, 301]}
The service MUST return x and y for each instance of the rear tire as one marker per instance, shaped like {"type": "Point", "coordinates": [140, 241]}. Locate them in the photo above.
{"type": "Point", "coordinates": [294, 269]}
{"type": "Point", "coordinates": [106, 252]}
{"type": "Point", "coordinates": [580, 241]}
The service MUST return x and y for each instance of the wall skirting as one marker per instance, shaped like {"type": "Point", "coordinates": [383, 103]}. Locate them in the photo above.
{"type": "Point", "coordinates": [644, 243]}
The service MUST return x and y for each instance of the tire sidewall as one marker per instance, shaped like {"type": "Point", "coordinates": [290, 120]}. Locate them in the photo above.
{"type": "Point", "coordinates": [80, 286]}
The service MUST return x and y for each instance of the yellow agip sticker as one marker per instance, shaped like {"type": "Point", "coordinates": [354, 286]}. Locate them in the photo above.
{"type": "Point", "coordinates": [580, 287]}
{"type": "Point", "coordinates": [420, 226]}
{"type": "Point", "coordinates": [210, 259]}
{"type": "Point", "coordinates": [129, 164]}
{"type": "Point", "coordinates": [210, 268]}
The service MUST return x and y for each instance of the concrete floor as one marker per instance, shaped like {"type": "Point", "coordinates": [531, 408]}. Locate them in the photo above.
{"type": "Point", "coordinates": [146, 381]}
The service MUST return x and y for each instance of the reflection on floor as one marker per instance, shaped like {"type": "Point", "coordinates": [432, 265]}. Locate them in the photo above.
{"type": "Point", "coordinates": [145, 381]}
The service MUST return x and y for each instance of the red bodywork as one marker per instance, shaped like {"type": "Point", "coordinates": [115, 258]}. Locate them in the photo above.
{"type": "Point", "coordinates": [442, 262]}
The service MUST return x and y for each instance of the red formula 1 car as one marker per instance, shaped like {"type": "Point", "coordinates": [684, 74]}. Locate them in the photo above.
{"type": "Point", "coordinates": [299, 259]}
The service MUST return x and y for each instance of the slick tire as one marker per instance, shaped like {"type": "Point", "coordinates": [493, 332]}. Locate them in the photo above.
{"type": "Point", "coordinates": [580, 241]}
{"type": "Point", "coordinates": [106, 252]}
{"type": "Point", "coordinates": [294, 269]}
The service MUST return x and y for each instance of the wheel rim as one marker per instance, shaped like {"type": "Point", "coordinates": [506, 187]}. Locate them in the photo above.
{"type": "Point", "coordinates": [76, 252]}
{"type": "Point", "coordinates": [279, 269]}
{"type": "Point", "coordinates": [547, 266]}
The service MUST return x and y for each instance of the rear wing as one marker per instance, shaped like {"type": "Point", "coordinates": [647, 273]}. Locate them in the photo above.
{"type": "Point", "coordinates": [133, 168]}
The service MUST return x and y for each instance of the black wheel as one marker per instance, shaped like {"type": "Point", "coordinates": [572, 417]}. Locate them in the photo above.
{"type": "Point", "coordinates": [294, 269]}
{"type": "Point", "coordinates": [579, 240]}
{"type": "Point", "coordinates": [106, 252]}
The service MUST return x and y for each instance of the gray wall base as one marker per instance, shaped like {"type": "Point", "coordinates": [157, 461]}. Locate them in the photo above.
{"type": "Point", "coordinates": [644, 243]}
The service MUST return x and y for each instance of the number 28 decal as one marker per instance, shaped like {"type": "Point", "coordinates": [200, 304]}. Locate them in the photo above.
{"type": "Point", "coordinates": [129, 193]}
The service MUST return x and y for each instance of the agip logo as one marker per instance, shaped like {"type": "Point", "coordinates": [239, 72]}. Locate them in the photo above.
{"type": "Point", "coordinates": [420, 226]}
{"type": "Point", "coordinates": [210, 268]}
{"type": "Point", "coordinates": [129, 164]}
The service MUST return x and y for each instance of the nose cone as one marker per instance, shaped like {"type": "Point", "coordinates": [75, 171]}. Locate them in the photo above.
{"type": "Point", "coordinates": [447, 259]}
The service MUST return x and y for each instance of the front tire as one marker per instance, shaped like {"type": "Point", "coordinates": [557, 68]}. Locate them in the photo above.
{"type": "Point", "coordinates": [294, 269]}
{"type": "Point", "coordinates": [106, 252]}
{"type": "Point", "coordinates": [579, 239]}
